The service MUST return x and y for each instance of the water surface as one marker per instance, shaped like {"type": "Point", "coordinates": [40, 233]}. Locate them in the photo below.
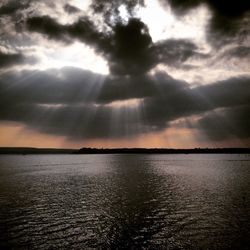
{"type": "Point", "coordinates": [125, 202]}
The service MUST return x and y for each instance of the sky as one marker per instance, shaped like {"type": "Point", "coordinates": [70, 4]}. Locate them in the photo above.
{"type": "Point", "coordinates": [125, 73]}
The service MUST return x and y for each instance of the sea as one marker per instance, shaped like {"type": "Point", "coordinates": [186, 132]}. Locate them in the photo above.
{"type": "Point", "coordinates": [125, 201]}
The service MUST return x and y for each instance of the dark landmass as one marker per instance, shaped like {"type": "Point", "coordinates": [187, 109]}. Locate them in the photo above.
{"type": "Point", "coordinates": [163, 151]}
{"type": "Point", "coordinates": [10, 150]}
{"type": "Point", "coordinates": [27, 150]}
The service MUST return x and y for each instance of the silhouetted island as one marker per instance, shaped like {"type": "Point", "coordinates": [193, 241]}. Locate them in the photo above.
{"type": "Point", "coordinates": [163, 151]}
{"type": "Point", "coordinates": [28, 150]}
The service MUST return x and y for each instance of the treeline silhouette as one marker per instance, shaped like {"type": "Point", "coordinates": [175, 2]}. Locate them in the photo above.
{"type": "Point", "coordinates": [163, 151]}
{"type": "Point", "coordinates": [28, 150]}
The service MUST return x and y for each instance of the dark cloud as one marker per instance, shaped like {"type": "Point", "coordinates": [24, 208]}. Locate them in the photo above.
{"type": "Point", "coordinates": [230, 9]}
{"type": "Point", "coordinates": [11, 7]}
{"type": "Point", "coordinates": [181, 7]}
{"type": "Point", "coordinates": [81, 104]}
{"type": "Point", "coordinates": [238, 52]}
{"type": "Point", "coordinates": [66, 86]}
{"type": "Point", "coordinates": [127, 46]}
{"type": "Point", "coordinates": [138, 87]}
{"type": "Point", "coordinates": [10, 59]}
{"type": "Point", "coordinates": [73, 102]}
{"type": "Point", "coordinates": [75, 86]}
{"type": "Point", "coordinates": [128, 49]}
{"type": "Point", "coordinates": [110, 9]}
{"type": "Point", "coordinates": [226, 124]}
{"type": "Point", "coordinates": [74, 122]}
{"type": "Point", "coordinates": [132, 45]}
{"type": "Point", "coordinates": [62, 102]}
{"type": "Point", "coordinates": [227, 93]}
{"type": "Point", "coordinates": [47, 26]}
{"type": "Point", "coordinates": [175, 52]}
{"type": "Point", "coordinates": [13, 14]}
{"type": "Point", "coordinates": [83, 29]}
{"type": "Point", "coordinates": [7, 60]}
{"type": "Point", "coordinates": [230, 18]}
{"type": "Point", "coordinates": [70, 9]}
{"type": "Point", "coordinates": [183, 102]}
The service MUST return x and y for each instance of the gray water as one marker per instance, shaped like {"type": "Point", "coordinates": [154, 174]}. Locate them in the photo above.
{"type": "Point", "coordinates": [125, 202]}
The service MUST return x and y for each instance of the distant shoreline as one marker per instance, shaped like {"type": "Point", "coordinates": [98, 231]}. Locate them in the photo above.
{"type": "Point", "coordinates": [29, 150]}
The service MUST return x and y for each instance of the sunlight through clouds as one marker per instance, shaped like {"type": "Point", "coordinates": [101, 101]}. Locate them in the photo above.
{"type": "Point", "coordinates": [82, 5]}
{"type": "Point", "coordinates": [75, 55]}
{"type": "Point", "coordinates": [163, 24]}
{"type": "Point", "coordinates": [115, 72]}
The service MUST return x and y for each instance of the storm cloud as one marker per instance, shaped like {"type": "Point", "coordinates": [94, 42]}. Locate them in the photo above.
{"type": "Point", "coordinates": [226, 123]}
{"type": "Point", "coordinates": [52, 103]}
{"type": "Point", "coordinates": [128, 49]}
{"type": "Point", "coordinates": [147, 88]}
{"type": "Point", "coordinates": [230, 19]}
{"type": "Point", "coordinates": [10, 59]}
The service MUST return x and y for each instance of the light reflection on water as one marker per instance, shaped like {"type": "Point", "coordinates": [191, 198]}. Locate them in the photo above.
{"type": "Point", "coordinates": [125, 202]}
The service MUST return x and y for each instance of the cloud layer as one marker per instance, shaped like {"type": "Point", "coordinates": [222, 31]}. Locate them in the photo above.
{"type": "Point", "coordinates": [79, 104]}
{"type": "Point", "coordinates": [147, 89]}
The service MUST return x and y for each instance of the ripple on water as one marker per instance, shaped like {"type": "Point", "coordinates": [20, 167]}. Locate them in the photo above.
{"type": "Point", "coordinates": [125, 202]}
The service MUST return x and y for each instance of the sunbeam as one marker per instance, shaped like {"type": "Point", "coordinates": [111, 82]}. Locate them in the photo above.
{"type": "Point", "coordinates": [95, 71]}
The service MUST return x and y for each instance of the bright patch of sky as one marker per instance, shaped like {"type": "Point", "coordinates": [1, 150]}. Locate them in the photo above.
{"type": "Point", "coordinates": [80, 4]}
{"type": "Point", "coordinates": [75, 55]}
{"type": "Point", "coordinates": [163, 24]}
